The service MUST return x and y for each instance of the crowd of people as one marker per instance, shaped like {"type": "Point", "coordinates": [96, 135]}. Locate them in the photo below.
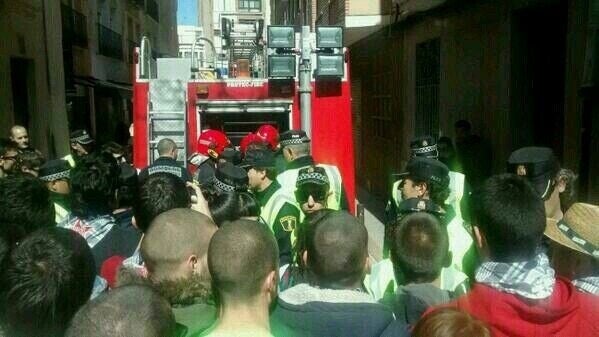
{"type": "Point", "coordinates": [257, 240]}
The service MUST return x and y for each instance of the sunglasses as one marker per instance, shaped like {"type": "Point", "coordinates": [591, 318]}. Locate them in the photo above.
{"type": "Point", "coordinates": [318, 195]}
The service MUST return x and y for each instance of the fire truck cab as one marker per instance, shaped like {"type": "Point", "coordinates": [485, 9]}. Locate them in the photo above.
{"type": "Point", "coordinates": [174, 98]}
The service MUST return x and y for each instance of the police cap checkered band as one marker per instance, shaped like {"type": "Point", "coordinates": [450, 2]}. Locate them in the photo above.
{"type": "Point", "coordinates": [313, 177]}
{"type": "Point", "coordinates": [293, 137]}
{"type": "Point", "coordinates": [425, 149]}
{"type": "Point", "coordinates": [54, 170]}
{"type": "Point", "coordinates": [222, 185]}
{"type": "Point", "coordinates": [56, 176]}
{"type": "Point", "coordinates": [294, 141]}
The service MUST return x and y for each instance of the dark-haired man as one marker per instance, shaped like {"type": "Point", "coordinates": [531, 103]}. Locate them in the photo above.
{"type": "Point", "coordinates": [49, 276]}
{"type": "Point", "coordinates": [27, 209]}
{"type": "Point", "coordinates": [132, 311]}
{"type": "Point", "coordinates": [243, 261]}
{"type": "Point", "coordinates": [419, 251]}
{"type": "Point", "coordinates": [516, 292]}
{"type": "Point", "coordinates": [8, 157]}
{"type": "Point", "coordinates": [428, 179]}
{"type": "Point", "coordinates": [166, 162]}
{"type": "Point", "coordinates": [174, 250]}
{"type": "Point", "coordinates": [333, 303]}
{"type": "Point", "coordinates": [93, 186]}
{"type": "Point", "coordinates": [278, 210]}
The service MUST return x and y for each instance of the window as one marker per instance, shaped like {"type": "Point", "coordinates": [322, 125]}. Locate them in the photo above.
{"type": "Point", "coordinates": [428, 69]}
{"type": "Point", "coordinates": [250, 4]}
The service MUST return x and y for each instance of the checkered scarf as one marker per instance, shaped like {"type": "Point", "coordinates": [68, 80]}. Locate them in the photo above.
{"type": "Point", "coordinates": [93, 229]}
{"type": "Point", "coordinates": [532, 279]}
{"type": "Point", "coordinates": [588, 285]}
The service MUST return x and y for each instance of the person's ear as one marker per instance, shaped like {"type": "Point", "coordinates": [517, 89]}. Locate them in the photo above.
{"type": "Point", "coordinates": [289, 152]}
{"type": "Point", "coordinates": [561, 185]}
{"type": "Point", "coordinates": [305, 257]}
{"type": "Point", "coordinates": [193, 264]}
{"type": "Point", "coordinates": [481, 241]}
{"type": "Point", "coordinates": [270, 286]}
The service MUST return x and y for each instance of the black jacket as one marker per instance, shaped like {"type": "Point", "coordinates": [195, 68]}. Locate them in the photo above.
{"type": "Point", "coordinates": [409, 302]}
{"type": "Point", "coordinates": [307, 311]}
{"type": "Point", "coordinates": [167, 165]}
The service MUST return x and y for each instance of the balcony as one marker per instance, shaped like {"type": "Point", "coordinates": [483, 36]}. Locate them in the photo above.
{"type": "Point", "coordinates": [110, 43]}
{"type": "Point", "coordinates": [74, 27]}
{"type": "Point", "coordinates": [152, 9]}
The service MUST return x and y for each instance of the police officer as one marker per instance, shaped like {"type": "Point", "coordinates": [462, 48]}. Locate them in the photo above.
{"type": "Point", "coordinates": [211, 144]}
{"type": "Point", "coordinates": [426, 147]}
{"type": "Point", "coordinates": [540, 167]}
{"type": "Point", "coordinates": [278, 210]}
{"type": "Point", "coordinates": [295, 146]}
{"type": "Point", "coordinates": [383, 279]}
{"type": "Point", "coordinates": [428, 179]}
{"type": "Point", "coordinates": [166, 162]}
{"type": "Point", "coordinates": [56, 173]}
{"type": "Point", "coordinates": [81, 145]}
{"type": "Point", "coordinates": [312, 189]}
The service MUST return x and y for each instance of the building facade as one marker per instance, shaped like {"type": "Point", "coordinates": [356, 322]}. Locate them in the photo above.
{"type": "Point", "coordinates": [99, 37]}
{"type": "Point", "coordinates": [193, 45]}
{"type": "Point", "coordinates": [243, 16]}
{"type": "Point", "coordinates": [519, 71]}
{"type": "Point", "coordinates": [32, 89]}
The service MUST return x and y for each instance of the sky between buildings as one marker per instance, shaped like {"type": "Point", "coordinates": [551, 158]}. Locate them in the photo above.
{"type": "Point", "coordinates": [187, 12]}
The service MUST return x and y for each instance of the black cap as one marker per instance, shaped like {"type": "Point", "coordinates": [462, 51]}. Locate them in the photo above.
{"type": "Point", "coordinates": [258, 158]}
{"type": "Point", "coordinates": [312, 175]}
{"type": "Point", "coordinates": [54, 170]}
{"type": "Point", "coordinates": [292, 137]}
{"type": "Point", "coordinates": [425, 146]}
{"type": "Point", "coordinates": [229, 177]}
{"type": "Point", "coordinates": [231, 155]}
{"type": "Point", "coordinates": [427, 169]}
{"type": "Point", "coordinates": [413, 205]}
{"type": "Point", "coordinates": [537, 164]}
{"type": "Point", "coordinates": [81, 137]}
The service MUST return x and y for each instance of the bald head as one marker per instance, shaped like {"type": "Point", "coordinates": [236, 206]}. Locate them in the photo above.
{"type": "Point", "coordinates": [337, 248]}
{"type": "Point", "coordinates": [167, 147]}
{"type": "Point", "coordinates": [241, 255]}
{"type": "Point", "coordinates": [19, 135]}
{"type": "Point", "coordinates": [175, 240]}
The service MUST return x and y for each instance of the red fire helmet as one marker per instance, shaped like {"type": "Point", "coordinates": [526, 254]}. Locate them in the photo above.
{"type": "Point", "coordinates": [270, 134]}
{"type": "Point", "coordinates": [212, 143]}
{"type": "Point", "coordinates": [250, 138]}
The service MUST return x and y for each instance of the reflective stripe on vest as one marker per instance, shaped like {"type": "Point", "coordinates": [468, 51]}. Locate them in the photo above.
{"type": "Point", "coordinates": [288, 178]}
{"type": "Point", "coordinates": [396, 193]}
{"type": "Point", "coordinates": [456, 187]}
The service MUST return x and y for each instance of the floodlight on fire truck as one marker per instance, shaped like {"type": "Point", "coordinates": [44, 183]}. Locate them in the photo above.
{"type": "Point", "coordinates": [281, 37]}
{"type": "Point", "coordinates": [330, 61]}
{"type": "Point", "coordinates": [281, 66]}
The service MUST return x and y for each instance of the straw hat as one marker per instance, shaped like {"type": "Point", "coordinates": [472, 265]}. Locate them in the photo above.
{"type": "Point", "coordinates": [578, 230]}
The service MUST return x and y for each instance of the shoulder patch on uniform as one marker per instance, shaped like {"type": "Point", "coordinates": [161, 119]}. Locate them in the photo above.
{"type": "Point", "coordinates": [288, 223]}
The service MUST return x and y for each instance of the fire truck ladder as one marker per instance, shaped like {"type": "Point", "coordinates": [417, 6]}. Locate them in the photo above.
{"type": "Point", "coordinates": [167, 117]}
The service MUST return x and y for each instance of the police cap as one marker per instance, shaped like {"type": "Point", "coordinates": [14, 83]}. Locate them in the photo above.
{"type": "Point", "coordinates": [55, 170]}
{"type": "Point", "coordinates": [293, 137]}
{"type": "Point", "coordinates": [537, 164]}
{"type": "Point", "coordinates": [428, 170]}
{"type": "Point", "coordinates": [425, 146]}
{"type": "Point", "coordinates": [229, 177]}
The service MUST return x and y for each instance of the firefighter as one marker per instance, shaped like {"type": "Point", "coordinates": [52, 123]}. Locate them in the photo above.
{"type": "Point", "coordinates": [270, 134]}
{"type": "Point", "coordinates": [278, 210]}
{"type": "Point", "coordinates": [211, 144]}
{"type": "Point", "coordinates": [251, 141]}
{"type": "Point", "coordinates": [295, 146]}
{"type": "Point", "coordinates": [426, 147]}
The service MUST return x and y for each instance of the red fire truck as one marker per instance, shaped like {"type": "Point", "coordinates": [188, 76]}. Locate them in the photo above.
{"type": "Point", "coordinates": [172, 100]}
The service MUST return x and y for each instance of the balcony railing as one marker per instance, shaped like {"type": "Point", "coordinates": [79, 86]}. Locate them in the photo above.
{"type": "Point", "coordinates": [152, 9]}
{"type": "Point", "coordinates": [110, 43]}
{"type": "Point", "coordinates": [74, 27]}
